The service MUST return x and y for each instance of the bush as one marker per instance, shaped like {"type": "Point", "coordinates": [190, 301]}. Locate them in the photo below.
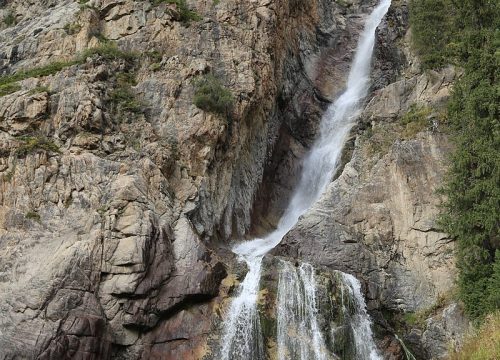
{"type": "Point", "coordinates": [72, 28]}
{"type": "Point", "coordinates": [33, 215]}
{"type": "Point", "coordinates": [9, 19]}
{"type": "Point", "coordinates": [122, 98]}
{"type": "Point", "coordinates": [186, 15]}
{"type": "Point", "coordinates": [211, 96]}
{"type": "Point", "coordinates": [109, 51]}
{"type": "Point", "coordinates": [32, 144]}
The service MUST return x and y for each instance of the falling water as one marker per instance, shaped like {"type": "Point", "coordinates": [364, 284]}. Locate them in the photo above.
{"type": "Point", "coordinates": [360, 322]}
{"type": "Point", "coordinates": [242, 337]}
{"type": "Point", "coordinates": [299, 336]}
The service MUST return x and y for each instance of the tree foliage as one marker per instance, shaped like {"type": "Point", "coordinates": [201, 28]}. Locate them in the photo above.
{"type": "Point", "coordinates": [465, 32]}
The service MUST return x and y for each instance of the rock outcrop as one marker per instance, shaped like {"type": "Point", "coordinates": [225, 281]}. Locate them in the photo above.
{"type": "Point", "coordinates": [115, 189]}
{"type": "Point", "coordinates": [119, 197]}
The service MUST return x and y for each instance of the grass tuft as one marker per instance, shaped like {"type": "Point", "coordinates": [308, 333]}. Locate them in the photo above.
{"type": "Point", "coordinates": [484, 344]}
{"type": "Point", "coordinates": [7, 89]}
{"type": "Point", "coordinates": [39, 90]}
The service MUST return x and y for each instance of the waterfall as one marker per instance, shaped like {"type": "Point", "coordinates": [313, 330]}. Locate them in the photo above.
{"type": "Point", "coordinates": [299, 335]}
{"type": "Point", "coordinates": [360, 321]}
{"type": "Point", "coordinates": [242, 338]}
{"type": "Point", "coordinates": [242, 334]}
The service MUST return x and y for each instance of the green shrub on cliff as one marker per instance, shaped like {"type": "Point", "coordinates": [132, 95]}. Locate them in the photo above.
{"type": "Point", "coordinates": [32, 144]}
{"type": "Point", "coordinates": [210, 95]}
{"type": "Point", "coordinates": [186, 15]}
{"type": "Point", "coordinates": [109, 51]}
{"type": "Point", "coordinates": [9, 19]}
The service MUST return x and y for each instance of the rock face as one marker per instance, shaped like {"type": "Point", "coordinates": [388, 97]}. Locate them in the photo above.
{"type": "Point", "coordinates": [118, 196]}
{"type": "Point", "coordinates": [110, 217]}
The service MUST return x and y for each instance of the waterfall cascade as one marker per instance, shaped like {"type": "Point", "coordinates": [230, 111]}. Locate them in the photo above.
{"type": "Point", "coordinates": [242, 338]}
{"type": "Point", "coordinates": [299, 336]}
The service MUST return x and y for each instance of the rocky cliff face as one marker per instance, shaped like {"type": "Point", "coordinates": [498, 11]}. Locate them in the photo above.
{"type": "Point", "coordinates": [118, 195]}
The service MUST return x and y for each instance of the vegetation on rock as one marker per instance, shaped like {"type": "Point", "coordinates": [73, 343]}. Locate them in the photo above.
{"type": "Point", "coordinates": [466, 33]}
{"type": "Point", "coordinates": [122, 98]}
{"type": "Point", "coordinates": [485, 344]}
{"type": "Point", "coordinates": [31, 144]}
{"type": "Point", "coordinates": [210, 95]}
{"type": "Point", "coordinates": [108, 51]}
{"type": "Point", "coordinates": [186, 15]}
{"type": "Point", "coordinates": [38, 90]}
{"type": "Point", "coordinates": [9, 88]}
{"type": "Point", "coordinates": [33, 215]}
{"type": "Point", "coordinates": [9, 19]}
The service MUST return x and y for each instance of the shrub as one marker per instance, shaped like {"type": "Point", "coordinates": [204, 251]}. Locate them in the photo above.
{"type": "Point", "coordinates": [210, 95]}
{"type": "Point", "coordinates": [9, 19]}
{"type": "Point", "coordinates": [108, 51]}
{"type": "Point", "coordinates": [32, 144]}
{"type": "Point", "coordinates": [72, 28]}
{"type": "Point", "coordinates": [122, 97]}
{"type": "Point", "coordinates": [186, 15]}
{"type": "Point", "coordinates": [32, 215]}
{"type": "Point", "coordinates": [415, 121]}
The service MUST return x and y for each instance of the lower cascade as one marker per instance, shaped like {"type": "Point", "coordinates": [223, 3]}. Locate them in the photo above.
{"type": "Point", "coordinates": [299, 335]}
{"type": "Point", "coordinates": [301, 322]}
{"type": "Point", "coordinates": [304, 329]}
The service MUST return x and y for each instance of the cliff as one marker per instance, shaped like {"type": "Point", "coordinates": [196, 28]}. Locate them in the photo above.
{"type": "Point", "coordinates": [119, 197]}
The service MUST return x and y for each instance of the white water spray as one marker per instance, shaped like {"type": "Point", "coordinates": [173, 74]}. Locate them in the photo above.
{"type": "Point", "coordinates": [241, 327]}
{"type": "Point", "coordinates": [299, 336]}
{"type": "Point", "coordinates": [360, 322]}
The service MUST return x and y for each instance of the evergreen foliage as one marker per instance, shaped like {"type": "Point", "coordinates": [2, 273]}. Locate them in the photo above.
{"type": "Point", "coordinates": [430, 21]}
{"type": "Point", "coordinates": [465, 32]}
